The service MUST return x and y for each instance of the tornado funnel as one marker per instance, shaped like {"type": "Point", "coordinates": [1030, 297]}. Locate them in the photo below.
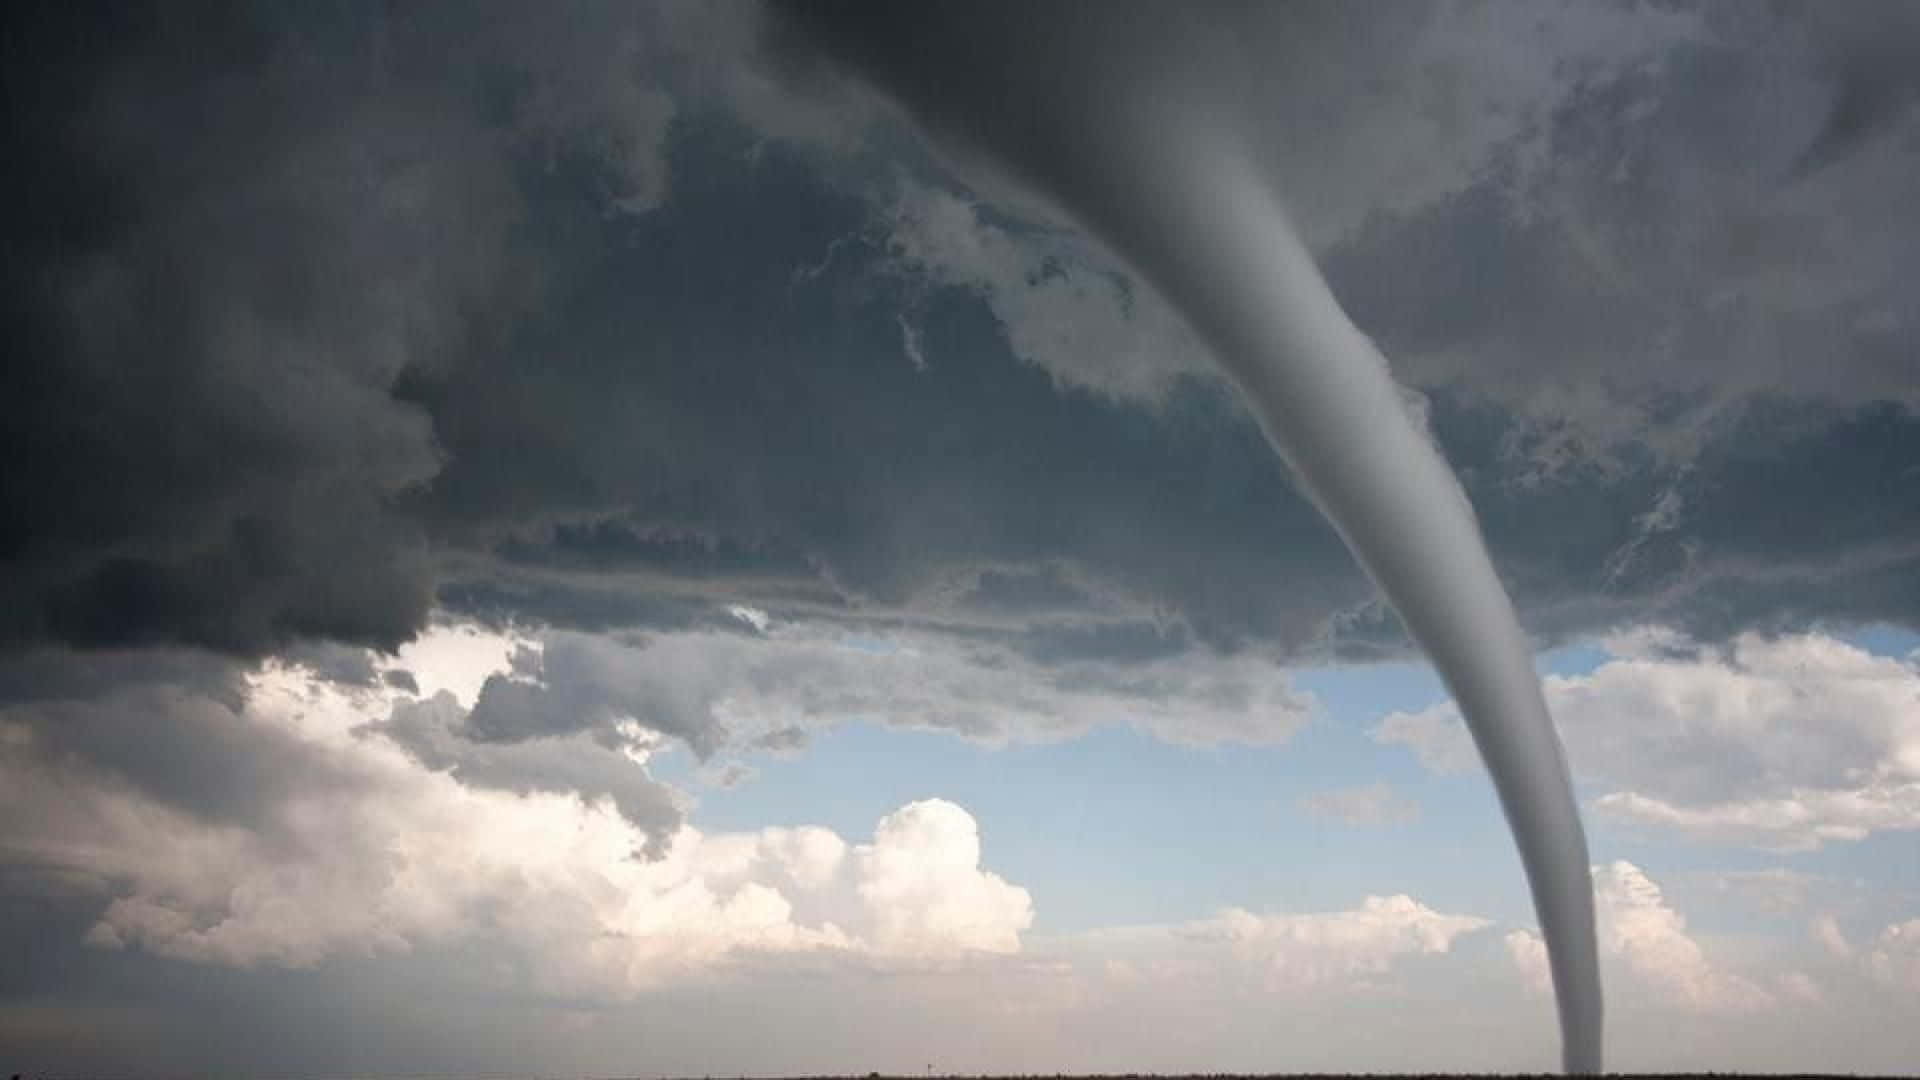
{"type": "Point", "coordinates": [1090, 107]}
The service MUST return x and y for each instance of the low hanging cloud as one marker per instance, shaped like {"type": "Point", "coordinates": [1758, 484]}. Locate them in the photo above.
{"type": "Point", "coordinates": [714, 690]}
{"type": "Point", "coordinates": [1784, 743]}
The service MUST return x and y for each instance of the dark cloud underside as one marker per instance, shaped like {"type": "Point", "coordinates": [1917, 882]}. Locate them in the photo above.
{"type": "Point", "coordinates": [321, 316]}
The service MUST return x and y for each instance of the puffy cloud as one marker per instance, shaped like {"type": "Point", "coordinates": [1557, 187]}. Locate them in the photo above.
{"type": "Point", "coordinates": [922, 884]}
{"type": "Point", "coordinates": [1643, 938]}
{"type": "Point", "coordinates": [339, 842]}
{"type": "Point", "coordinates": [1435, 734]}
{"type": "Point", "coordinates": [1788, 742]}
{"type": "Point", "coordinates": [1368, 804]}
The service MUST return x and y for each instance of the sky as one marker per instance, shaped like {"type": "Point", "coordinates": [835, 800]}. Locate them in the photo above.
{"type": "Point", "coordinates": [577, 540]}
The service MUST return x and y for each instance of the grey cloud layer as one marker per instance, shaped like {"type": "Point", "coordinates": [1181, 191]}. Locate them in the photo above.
{"type": "Point", "coordinates": [319, 323]}
{"type": "Point", "coordinates": [730, 692]}
{"type": "Point", "coordinates": [345, 314]}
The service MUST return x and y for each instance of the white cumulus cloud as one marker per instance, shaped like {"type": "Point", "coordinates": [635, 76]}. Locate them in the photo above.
{"type": "Point", "coordinates": [1781, 743]}
{"type": "Point", "coordinates": [924, 890]}
{"type": "Point", "coordinates": [352, 846]}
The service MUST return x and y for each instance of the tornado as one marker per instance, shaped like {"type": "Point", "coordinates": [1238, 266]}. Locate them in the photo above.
{"type": "Point", "coordinates": [1120, 119]}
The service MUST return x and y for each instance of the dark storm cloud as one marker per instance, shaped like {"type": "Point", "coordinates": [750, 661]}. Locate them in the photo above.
{"type": "Point", "coordinates": [1869, 54]}
{"type": "Point", "coordinates": [768, 437]}
{"type": "Point", "coordinates": [326, 319]}
{"type": "Point", "coordinates": [281, 256]}
{"type": "Point", "coordinates": [229, 238]}
{"type": "Point", "coordinates": [1794, 514]}
{"type": "Point", "coordinates": [52, 674]}
{"type": "Point", "coordinates": [682, 406]}
{"type": "Point", "coordinates": [613, 545]}
{"type": "Point", "coordinates": [1043, 588]}
{"type": "Point", "coordinates": [1723, 221]}
{"type": "Point", "coordinates": [319, 326]}
{"type": "Point", "coordinates": [1847, 550]}
{"type": "Point", "coordinates": [501, 598]}
{"type": "Point", "coordinates": [236, 234]}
